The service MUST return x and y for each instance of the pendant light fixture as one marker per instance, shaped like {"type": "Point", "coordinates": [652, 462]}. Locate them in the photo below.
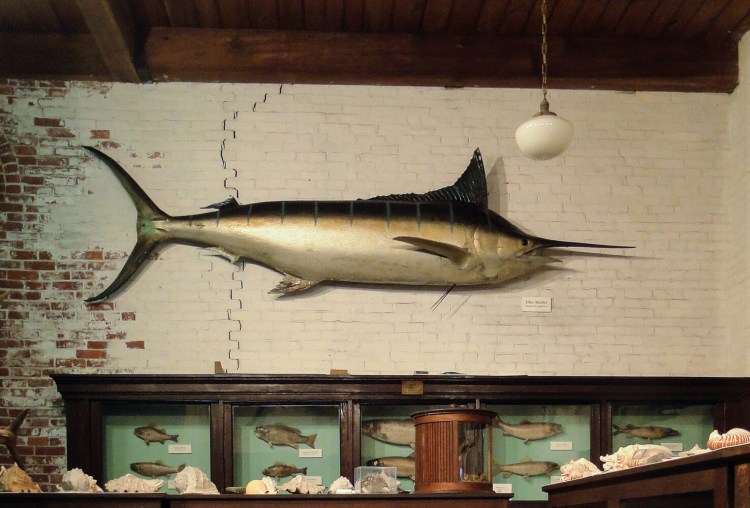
{"type": "Point", "coordinates": [545, 135]}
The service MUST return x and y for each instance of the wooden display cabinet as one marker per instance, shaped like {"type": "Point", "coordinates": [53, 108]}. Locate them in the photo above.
{"type": "Point", "coordinates": [355, 398]}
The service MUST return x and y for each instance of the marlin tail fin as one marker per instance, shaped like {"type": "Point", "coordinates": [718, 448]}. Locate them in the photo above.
{"type": "Point", "coordinates": [148, 238]}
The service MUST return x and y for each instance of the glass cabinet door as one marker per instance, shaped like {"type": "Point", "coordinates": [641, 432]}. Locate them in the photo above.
{"type": "Point", "coordinates": [155, 440]}
{"type": "Point", "coordinates": [679, 427]}
{"type": "Point", "coordinates": [284, 441]}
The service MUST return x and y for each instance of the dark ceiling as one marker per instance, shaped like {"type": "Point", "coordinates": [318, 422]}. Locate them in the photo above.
{"type": "Point", "coordinates": [670, 45]}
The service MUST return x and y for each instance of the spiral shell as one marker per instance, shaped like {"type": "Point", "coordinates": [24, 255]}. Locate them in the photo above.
{"type": "Point", "coordinates": [132, 483]}
{"type": "Point", "coordinates": [75, 480]}
{"type": "Point", "coordinates": [732, 437]}
{"type": "Point", "coordinates": [192, 480]}
{"type": "Point", "coordinates": [15, 479]}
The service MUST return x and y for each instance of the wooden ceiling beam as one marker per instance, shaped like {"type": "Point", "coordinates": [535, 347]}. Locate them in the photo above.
{"type": "Point", "coordinates": [113, 29]}
{"type": "Point", "coordinates": [251, 56]}
{"type": "Point", "coordinates": [50, 56]}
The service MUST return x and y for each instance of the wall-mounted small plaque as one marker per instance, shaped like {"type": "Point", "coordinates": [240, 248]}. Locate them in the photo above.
{"type": "Point", "coordinates": [412, 387]}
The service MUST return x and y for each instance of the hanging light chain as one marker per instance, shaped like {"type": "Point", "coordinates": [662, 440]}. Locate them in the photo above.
{"type": "Point", "coordinates": [544, 48]}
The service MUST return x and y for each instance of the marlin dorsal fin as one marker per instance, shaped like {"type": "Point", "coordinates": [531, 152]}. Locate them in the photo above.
{"type": "Point", "coordinates": [228, 204]}
{"type": "Point", "coordinates": [471, 188]}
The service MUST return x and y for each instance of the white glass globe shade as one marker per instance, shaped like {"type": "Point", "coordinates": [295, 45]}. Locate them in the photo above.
{"type": "Point", "coordinates": [544, 136]}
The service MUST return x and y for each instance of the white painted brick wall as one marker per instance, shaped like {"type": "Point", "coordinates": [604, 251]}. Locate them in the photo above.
{"type": "Point", "coordinates": [645, 169]}
{"type": "Point", "coordinates": [737, 191]}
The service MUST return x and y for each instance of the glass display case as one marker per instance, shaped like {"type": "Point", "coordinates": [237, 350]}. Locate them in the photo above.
{"type": "Point", "coordinates": [283, 441]}
{"type": "Point", "coordinates": [155, 440]}
{"type": "Point", "coordinates": [679, 427]}
{"type": "Point", "coordinates": [224, 424]}
{"type": "Point", "coordinates": [531, 442]}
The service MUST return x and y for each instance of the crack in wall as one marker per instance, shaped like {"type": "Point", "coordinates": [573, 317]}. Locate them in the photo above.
{"type": "Point", "coordinates": [230, 133]}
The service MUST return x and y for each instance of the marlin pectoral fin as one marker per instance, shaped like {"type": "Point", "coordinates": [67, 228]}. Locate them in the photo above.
{"type": "Point", "coordinates": [458, 256]}
{"type": "Point", "coordinates": [291, 284]}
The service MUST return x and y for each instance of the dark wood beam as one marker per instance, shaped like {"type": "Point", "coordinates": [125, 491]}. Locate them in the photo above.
{"type": "Point", "coordinates": [50, 56]}
{"type": "Point", "coordinates": [184, 54]}
{"type": "Point", "coordinates": [110, 23]}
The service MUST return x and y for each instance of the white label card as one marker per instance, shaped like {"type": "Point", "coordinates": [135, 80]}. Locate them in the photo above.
{"type": "Point", "coordinates": [310, 453]}
{"type": "Point", "coordinates": [170, 484]}
{"type": "Point", "coordinates": [180, 448]}
{"type": "Point", "coordinates": [673, 447]}
{"type": "Point", "coordinates": [502, 488]}
{"type": "Point", "coordinates": [561, 445]}
{"type": "Point", "coordinates": [316, 479]}
{"type": "Point", "coordinates": [536, 304]}
{"type": "Point", "coordinates": [555, 479]}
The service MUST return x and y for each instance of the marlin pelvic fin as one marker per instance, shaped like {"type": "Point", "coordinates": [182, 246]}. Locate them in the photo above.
{"type": "Point", "coordinates": [471, 188]}
{"type": "Point", "coordinates": [148, 237]}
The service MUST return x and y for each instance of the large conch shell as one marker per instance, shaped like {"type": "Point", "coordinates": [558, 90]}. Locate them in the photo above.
{"type": "Point", "coordinates": [732, 437]}
{"type": "Point", "coordinates": [133, 483]}
{"type": "Point", "coordinates": [575, 469]}
{"type": "Point", "coordinates": [75, 480]}
{"type": "Point", "coordinates": [635, 455]}
{"type": "Point", "coordinates": [265, 486]}
{"type": "Point", "coordinates": [192, 480]}
{"type": "Point", "coordinates": [301, 484]}
{"type": "Point", "coordinates": [15, 479]}
{"type": "Point", "coordinates": [341, 483]}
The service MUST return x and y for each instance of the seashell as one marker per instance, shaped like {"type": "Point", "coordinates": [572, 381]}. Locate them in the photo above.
{"type": "Point", "coordinates": [341, 483]}
{"type": "Point", "coordinates": [695, 450]}
{"type": "Point", "coordinates": [635, 455]}
{"type": "Point", "coordinates": [575, 469]}
{"type": "Point", "coordinates": [75, 480]}
{"type": "Point", "coordinates": [256, 487]}
{"type": "Point", "coordinates": [302, 485]}
{"type": "Point", "coordinates": [379, 483]}
{"type": "Point", "coordinates": [733, 437]}
{"type": "Point", "coordinates": [15, 479]}
{"type": "Point", "coordinates": [133, 483]}
{"type": "Point", "coordinates": [192, 480]}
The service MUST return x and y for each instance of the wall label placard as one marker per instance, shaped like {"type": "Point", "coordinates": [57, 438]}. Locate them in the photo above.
{"type": "Point", "coordinates": [536, 304]}
{"type": "Point", "coordinates": [310, 453]}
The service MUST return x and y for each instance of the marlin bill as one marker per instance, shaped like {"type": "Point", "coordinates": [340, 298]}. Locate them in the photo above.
{"type": "Point", "coordinates": [444, 237]}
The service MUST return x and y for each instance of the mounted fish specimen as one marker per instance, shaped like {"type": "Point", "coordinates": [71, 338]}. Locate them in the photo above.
{"type": "Point", "coordinates": [283, 435]}
{"type": "Point", "coordinates": [279, 470]}
{"type": "Point", "coordinates": [8, 436]}
{"type": "Point", "coordinates": [528, 431]}
{"type": "Point", "coordinates": [153, 434]}
{"type": "Point", "coordinates": [526, 468]}
{"type": "Point", "coordinates": [396, 431]}
{"type": "Point", "coordinates": [405, 466]}
{"type": "Point", "coordinates": [444, 237]}
{"type": "Point", "coordinates": [647, 432]}
{"type": "Point", "coordinates": [154, 469]}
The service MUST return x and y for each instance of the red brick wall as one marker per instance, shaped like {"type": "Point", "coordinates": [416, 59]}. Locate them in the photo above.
{"type": "Point", "coordinates": [40, 285]}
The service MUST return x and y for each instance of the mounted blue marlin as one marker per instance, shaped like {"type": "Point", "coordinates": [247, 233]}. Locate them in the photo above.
{"type": "Point", "coordinates": [441, 238]}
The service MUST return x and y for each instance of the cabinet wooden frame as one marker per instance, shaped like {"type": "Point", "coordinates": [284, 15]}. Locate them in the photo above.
{"type": "Point", "coordinates": [84, 396]}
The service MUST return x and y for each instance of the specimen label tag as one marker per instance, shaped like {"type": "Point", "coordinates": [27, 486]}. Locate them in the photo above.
{"type": "Point", "coordinates": [502, 488]}
{"type": "Point", "coordinates": [536, 304]}
{"type": "Point", "coordinates": [555, 479]}
{"type": "Point", "coordinates": [310, 453]}
{"type": "Point", "coordinates": [180, 448]}
{"type": "Point", "coordinates": [316, 479]}
{"type": "Point", "coordinates": [561, 445]}
{"type": "Point", "coordinates": [673, 447]}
